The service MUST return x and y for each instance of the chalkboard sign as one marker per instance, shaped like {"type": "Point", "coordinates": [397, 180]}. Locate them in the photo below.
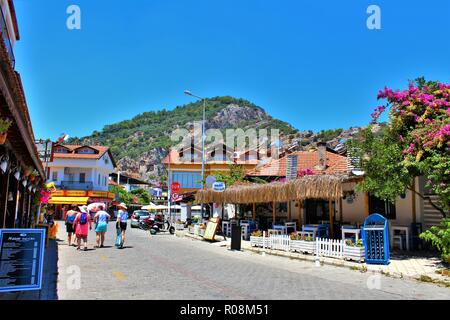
{"type": "Point", "coordinates": [211, 228]}
{"type": "Point", "coordinates": [21, 259]}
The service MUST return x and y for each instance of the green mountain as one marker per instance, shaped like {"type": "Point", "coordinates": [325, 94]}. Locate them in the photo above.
{"type": "Point", "coordinates": [139, 144]}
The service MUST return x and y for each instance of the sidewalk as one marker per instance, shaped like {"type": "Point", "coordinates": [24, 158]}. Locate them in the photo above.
{"type": "Point", "coordinates": [49, 279]}
{"type": "Point", "coordinates": [400, 266]}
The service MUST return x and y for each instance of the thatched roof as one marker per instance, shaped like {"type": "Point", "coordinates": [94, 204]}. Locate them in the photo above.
{"type": "Point", "coordinates": [308, 187]}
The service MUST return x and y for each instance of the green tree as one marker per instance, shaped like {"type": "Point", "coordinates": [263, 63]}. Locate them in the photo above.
{"type": "Point", "coordinates": [142, 194]}
{"type": "Point", "coordinates": [440, 238]}
{"type": "Point", "coordinates": [415, 142]}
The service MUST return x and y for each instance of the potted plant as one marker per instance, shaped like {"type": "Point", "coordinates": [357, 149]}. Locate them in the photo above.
{"type": "Point", "coordinates": [354, 250]}
{"type": "Point", "coordinates": [179, 225]}
{"type": "Point", "coordinates": [202, 229]}
{"type": "Point", "coordinates": [5, 124]}
{"type": "Point", "coordinates": [302, 243]}
{"type": "Point", "coordinates": [256, 238]}
{"type": "Point", "coordinates": [33, 175]}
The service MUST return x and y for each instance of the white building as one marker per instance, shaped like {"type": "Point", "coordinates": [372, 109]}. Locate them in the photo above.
{"type": "Point", "coordinates": [81, 167]}
{"type": "Point", "coordinates": [80, 173]}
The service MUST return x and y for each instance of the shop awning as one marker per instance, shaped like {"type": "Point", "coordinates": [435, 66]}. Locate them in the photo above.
{"type": "Point", "coordinates": [68, 200]}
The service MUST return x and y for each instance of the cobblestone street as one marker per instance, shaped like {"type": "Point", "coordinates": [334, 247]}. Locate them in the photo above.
{"type": "Point", "coordinates": [168, 267]}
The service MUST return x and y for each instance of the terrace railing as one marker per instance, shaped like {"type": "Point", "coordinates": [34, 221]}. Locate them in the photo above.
{"type": "Point", "coordinates": [77, 185]}
{"type": "Point", "coordinates": [7, 39]}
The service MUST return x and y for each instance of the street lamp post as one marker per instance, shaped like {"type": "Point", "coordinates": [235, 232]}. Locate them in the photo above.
{"type": "Point", "coordinates": [187, 92]}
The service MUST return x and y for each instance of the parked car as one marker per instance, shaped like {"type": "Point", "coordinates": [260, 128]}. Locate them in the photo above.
{"type": "Point", "coordinates": [138, 216]}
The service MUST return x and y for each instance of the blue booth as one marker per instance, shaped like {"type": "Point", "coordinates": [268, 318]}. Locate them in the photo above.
{"type": "Point", "coordinates": [375, 235]}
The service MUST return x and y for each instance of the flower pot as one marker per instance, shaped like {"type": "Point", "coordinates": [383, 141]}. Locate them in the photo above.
{"type": "Point", "coordinates": [354, 253]}
{"type": "Point", "coordinates": [179, 226]}
{"type": "Point", "coordinates": [3, 137]}
{"type": "Point", "coordinates": [259, 241]}
{"type": "Point", "coordinates": [303, 246]}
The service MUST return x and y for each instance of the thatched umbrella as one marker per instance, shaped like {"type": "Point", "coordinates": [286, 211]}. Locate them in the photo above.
{"type": "Point", "coordinates": [327, 187]}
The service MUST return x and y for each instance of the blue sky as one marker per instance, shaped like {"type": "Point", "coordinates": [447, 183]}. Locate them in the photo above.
{"type": "Point", "coordinates": [311, 63]}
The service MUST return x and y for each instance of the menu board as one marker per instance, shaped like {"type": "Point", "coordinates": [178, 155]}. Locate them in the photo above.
{"type": "Point", "coordinates": [21, 259]}
{"type": "Point", "coordinates": [211, 228]}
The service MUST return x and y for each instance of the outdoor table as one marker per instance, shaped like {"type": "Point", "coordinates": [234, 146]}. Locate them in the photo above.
{"type": "Point", "coordinates": [351, 230]}
{"type": "Point", "coordinates": [404, 229]}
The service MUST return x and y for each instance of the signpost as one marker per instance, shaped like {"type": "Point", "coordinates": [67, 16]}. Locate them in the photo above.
{"type": "Point", "coordinates": [21, 259]}
{"type": "Point", "coordinates": [211, 229]}
{"type": "Point", "coordinates": [175, 187]}
{"type": "Point", "coordinates": [218, 186]}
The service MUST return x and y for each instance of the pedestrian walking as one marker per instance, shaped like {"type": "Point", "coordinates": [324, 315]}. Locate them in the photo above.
{"type": "Point", "coordinates": [69, 218]}
{"type": "Point", "coordinates": [121, 225]}
{"type": "Point", "coordinates": [82, 225]}
{"type": "Point", "coordinates": [101, 220]}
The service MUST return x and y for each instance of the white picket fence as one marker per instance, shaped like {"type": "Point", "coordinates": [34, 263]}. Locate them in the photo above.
{"type": "Point", "coordinates": [329, 248]}
{"type": "Point", "coordinates": [280, 242]}
{"type": "Point", "coordinates": [321, 247]}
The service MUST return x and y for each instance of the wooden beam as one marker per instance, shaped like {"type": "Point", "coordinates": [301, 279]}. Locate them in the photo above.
{"type": "Point", "coordinates": [273, 212]}
{"type": "Point", "coordinates": [414, 216]}
{"type": "Point", "coordinates": [289, 209]}
{"type": "Point", "coordinates": [341, 213]}
{"type": "Point", "coordinates": [254, 211]}
{"type": "Point", "coordinates": [300, 213]}
{"type": "Point", "coordinates": [4, 198]}
{"type": "Point", "coordinates": [366, 204]}
{"type": "Point", "coordinates": [330, 209]}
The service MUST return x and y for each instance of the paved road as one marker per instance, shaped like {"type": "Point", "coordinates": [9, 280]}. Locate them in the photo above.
{"type": "Point", "coordinates": [168, 267]}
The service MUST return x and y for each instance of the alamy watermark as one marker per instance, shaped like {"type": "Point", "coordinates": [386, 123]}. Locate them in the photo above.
{"type": "Point", "coordinates": [73, 21]}
{"type": "Point", "coordinates": [374, 20]}
{"type": "Point", "coordinates": [256, 144]}
{"type": "Point", "coordinates": [74, 279]}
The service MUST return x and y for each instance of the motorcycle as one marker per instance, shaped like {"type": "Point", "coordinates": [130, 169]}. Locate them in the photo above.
{"type": "Point", "coordinates": [157, 223]}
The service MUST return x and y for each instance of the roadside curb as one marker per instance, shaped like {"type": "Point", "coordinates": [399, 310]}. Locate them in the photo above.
{"type": "Point", "coordinates": [353, 266]}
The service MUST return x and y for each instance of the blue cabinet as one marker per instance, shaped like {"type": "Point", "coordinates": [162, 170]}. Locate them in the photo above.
{"type": "Point", "coordinates": [375, 235]}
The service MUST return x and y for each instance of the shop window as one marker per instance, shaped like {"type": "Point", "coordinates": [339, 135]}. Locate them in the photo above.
{"type": "Point", "coordinates": [383, 207]}
{"type": "Point", "coordinates": [318, 211]}
{"type": "Point", "coordinates": [61, 150]}
{"type": "Point", "coordinates": [85, 151]}
{"type": "Point", "coordinates": [55, 175]}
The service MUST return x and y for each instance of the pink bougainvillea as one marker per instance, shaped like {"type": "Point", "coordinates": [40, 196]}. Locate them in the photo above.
{"type": "Point", "coordinates": [305, 172]}
{"type": "Point", "coordinates": [419, 119]}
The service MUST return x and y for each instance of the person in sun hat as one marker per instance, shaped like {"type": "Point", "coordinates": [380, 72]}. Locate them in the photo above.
{"type": "Point", "coordinates": [121, 225]}
{"type": "Point", "coordinates": [82, 225]}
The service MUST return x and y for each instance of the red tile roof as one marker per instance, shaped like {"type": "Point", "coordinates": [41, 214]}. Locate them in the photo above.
{"type": "Point", "coordinates": [306, 160]}
{"type": "Point", "coordinates": [101, 150]}
{"type": "Point", "coordinates": [175, 159]}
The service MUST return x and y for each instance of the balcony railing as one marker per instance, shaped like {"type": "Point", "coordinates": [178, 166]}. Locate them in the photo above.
{"type": "Point", "coordinates": [77, 185]}
{"type": "Point", "coordinates": [7, 39]}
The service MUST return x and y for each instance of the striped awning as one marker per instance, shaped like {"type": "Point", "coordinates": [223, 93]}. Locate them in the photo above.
{"type": "Point", "coordinates": [68, 200]}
